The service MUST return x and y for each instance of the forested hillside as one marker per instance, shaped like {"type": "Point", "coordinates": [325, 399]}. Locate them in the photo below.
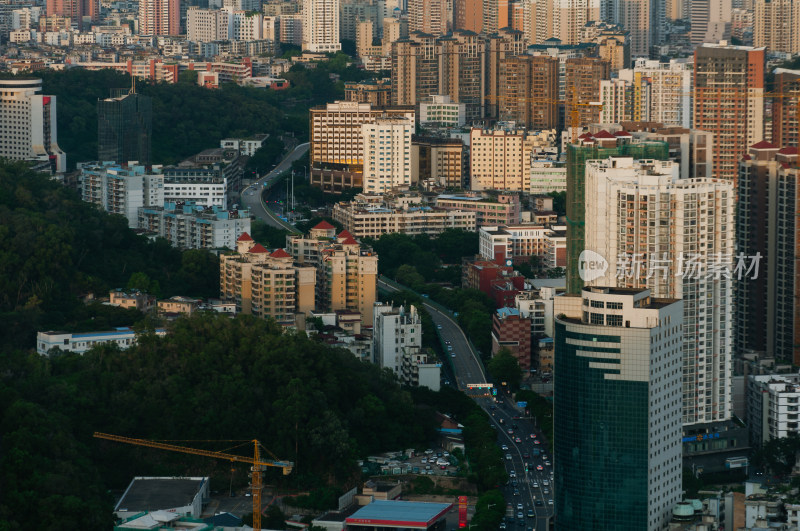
{"type": "Point", "coordinates": [211, 377]}
{"type": "Point", "coordinates": [188, 118]}
{"type": "Point", "coordinates": [55, 248]}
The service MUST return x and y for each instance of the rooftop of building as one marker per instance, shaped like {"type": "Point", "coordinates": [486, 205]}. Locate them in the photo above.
{"type": "Point", "coordinates": [152, 493]}
{"type": "Point", "coordinates": [399, 513]}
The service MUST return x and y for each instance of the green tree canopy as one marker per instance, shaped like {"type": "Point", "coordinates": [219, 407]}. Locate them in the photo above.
{"type": "Point", "coordinates": [504, 367]}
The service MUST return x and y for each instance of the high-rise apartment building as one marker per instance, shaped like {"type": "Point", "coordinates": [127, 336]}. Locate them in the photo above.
{"type": "Point", "coordinates": [767, 226]}
{"type": "Point", "coordinates": [600, 145]}
{"type": "Point", "coordinates": [495, 16]}
{"type": "Point", "coordinates": [207, 25]}
{"type": "Point", "coordinates": [264, 284]}
{"type": "Point", "coordinates": [710, 20]}
{"type": "Point", "coordinates": [337, 143]}
{"type": "Point", "coordinates": [673, 237]}
{"type": "Point", "coordinates": [501, 159]}
{"type": "Point", "coordinates": [776, 25]}
{"type": "Point", "coordinates": [387, 154]}
{"type": "Point", "coordinates": [81, 12]}
{"type": "Point", "coordinates": [772, 407]}
{"type": "Point", "coordinates": [321, 26]}
{"type": "Point", "coordinates": [28, 124]}
{"type": "Point", "coordinates": [500, 47]}
{"type": "Point", "coordinates": [455, 66]}
{"type": "Point", "coordinates": [617, 416]}
{"type": "Point", "coordinates": [729, 101]}
{"type": "Point", "coordinates": [663, 92]}
{"type": "Point", "coordinates": [352, 12]}
{"type": "Point", "coordinates": [616, 95]}
{"type": "Point", "coordinates": [434, 17]}
{"type": "Point", "coordinates": [462, 67]}
{"type": "Point", "coordinates": [528, 92]}
{"type": "Point", "coordinates": [125, 128]}
{"type": "Point", "coordinates": [582, 77]}
{"type": "Point", "coordinates": [159, 17]}
{"type": "Point", "coordinates": [468, 15]}
{"type": "Point", "coordinates": [785, 126]}
{"type": "Point", "coordinates": [415, 68]}
{"type": "Point", "coordinates": [393, 331]}
{"type": "Point", "coordinates": [347, 272]}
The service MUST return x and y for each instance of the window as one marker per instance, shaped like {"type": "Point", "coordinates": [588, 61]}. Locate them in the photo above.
{"type": "Point", "coordinates": [596, 318]}
{"type": "Point", "coordinates": [614, 320]}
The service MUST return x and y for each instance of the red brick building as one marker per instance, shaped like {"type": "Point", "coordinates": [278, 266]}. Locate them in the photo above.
{"type": "Point", "coordinates": [512, 331]}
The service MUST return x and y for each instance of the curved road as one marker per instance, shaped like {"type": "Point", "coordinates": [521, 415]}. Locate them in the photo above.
{"type": "Point", "coordinates": [530, 486]}
{"type": "Point", "coordinates": [251, 196]}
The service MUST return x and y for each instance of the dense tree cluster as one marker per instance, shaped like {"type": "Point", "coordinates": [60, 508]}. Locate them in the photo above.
{"type": "Point", "coordinates": [177, 133]}
{"type": "Point", "coordinates": [212, 378]}
{"type": "Point", "coordinates": [55, 248]}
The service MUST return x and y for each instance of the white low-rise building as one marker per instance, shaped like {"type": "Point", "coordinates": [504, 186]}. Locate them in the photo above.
{"type": "Point", "coordinates": [442, 111]}
{"type": "Point", "coordinates": [189, 226]}
{"type": "Point", "coordinates": [773, 406]}
{"type": "Point", "coordinates": [79, 343]}
{"type": "Point", "coordinates": [245, 146]}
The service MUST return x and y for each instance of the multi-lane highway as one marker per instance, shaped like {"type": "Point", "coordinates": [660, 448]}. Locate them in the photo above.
{"type": "Point", "coordinates": [532, 489]}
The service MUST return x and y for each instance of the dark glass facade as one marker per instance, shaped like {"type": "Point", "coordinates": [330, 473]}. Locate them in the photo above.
{"type": "Point", "coordinates": [124, 129]}
{"type": "Point", "coordinates": [600, 440]}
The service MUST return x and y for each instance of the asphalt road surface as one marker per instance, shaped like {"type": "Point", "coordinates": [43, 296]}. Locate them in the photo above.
{"type": "Point", "coordinates": [530, 486]}
{"type": "Point", "coordinates": [251, 196]}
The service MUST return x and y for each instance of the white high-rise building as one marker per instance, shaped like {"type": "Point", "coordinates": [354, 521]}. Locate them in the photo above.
{"type": "Point", "coordinates": [669, 90]}
{"type": "Point", "coordinates": [387, 154]}
{"type": "Point", "coordinates": [617, 100]}
{"type": "Point", "coordinates": [28, 124]}
{"type": "Point", "coordinates": [207, 25]}
{"type": "Point", "coordinates": [394, 329]}
{"type": "Point", "coordinates": [321, 26]}
{"type": "Point", "coordinates": [675, 237]}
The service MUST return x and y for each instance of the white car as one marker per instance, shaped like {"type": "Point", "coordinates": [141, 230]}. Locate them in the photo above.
{"type": "Point", "coordinates": [439, 327]}
{"type": "Point", "coordinates": [508, 457]}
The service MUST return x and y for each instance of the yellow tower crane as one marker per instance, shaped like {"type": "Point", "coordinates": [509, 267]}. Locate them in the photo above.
{"type": "Point", "coordinates": [258, 465]}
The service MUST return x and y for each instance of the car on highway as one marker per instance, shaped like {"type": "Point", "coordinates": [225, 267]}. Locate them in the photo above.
{"type": "Point", "coordinates": [512, 474]}
{"type": "Point", "coordinates": [536, 441]}
{"type": "Point", "coordinates": [546, 483]}
{"type": "Point", "coordinates": [424, 460]}
{"type": "Point", "coordinates": [516, 492]}
{"type": "Point", "coordinates": [508, 457]}
{"type": "Point", "coordinates": [519, 507]}
{"type": "Point", "coordinates": [439, 327]}
{"type": "Point", "coordinates": [535, 485]}
{"type": "Point", "coordinates": [504, 447]}
{"type": "Point", "coordinates": [502, 525]}
{"type": "Point", "coordinates": [531, 513]}
{"type": "Point", "coordinates": [517, 440]}
{"type": "Point", "coordinates": [538, 503]}
{"type": "Point", "coordinates": [510, 431]}
{"type": "Point", "coordinates": [546, 462]}
{"type": "Point", "coordinates": [539, 467]}
{"type": "Point", "coordinates": [520, 515]}
{"type": "Point", "coordinates": [546, 490]}
{"type": "Point", "coordinates": [525, 455]}
{"type": "Point", "coordinates": [550, 502]}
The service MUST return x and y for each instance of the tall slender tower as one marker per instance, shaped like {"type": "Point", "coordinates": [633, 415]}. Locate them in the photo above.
{"type": "Point", "coordinates": [321, 26]}
{"type": "Point", "coordinates": [672, 236]}
{"type": "Point", "coordinates": [617, 412]}
{"type": "Point", "coordinates": [124, 127]}
{"type": "Point", "coordinates": [82, 12]}
{"type": "Point", "coordinates": [159, 17]}
{"type": "Point", "coordinates": [729, 101]}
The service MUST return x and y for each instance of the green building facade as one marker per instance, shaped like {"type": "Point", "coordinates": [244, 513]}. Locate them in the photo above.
{"type": "Point", "coordinates": [125, 129]}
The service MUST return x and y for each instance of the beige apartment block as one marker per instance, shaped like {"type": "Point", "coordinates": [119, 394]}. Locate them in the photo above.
{"type": "Point", "coordinates": [264, 284]}
{"type": "Point", "coordinates": [347, 270]}
{"type": "Point", "coordinates": [501, 159]}
{"type": "Point", "coordinates": [364, 217]}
